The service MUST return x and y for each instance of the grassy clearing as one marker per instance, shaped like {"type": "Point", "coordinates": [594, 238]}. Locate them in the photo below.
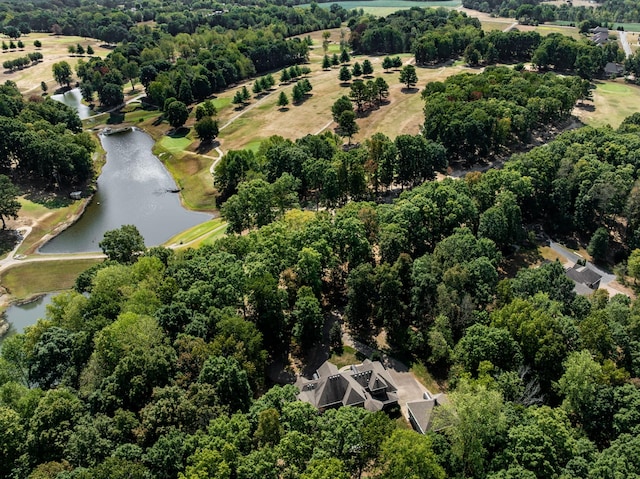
{"type": "Point", "coordinates": [613, 101]}
{"type": "Point", "coordinates": [45, 221]}
{"type": "Point", "coordinates": [393, 5]}
{"type": "Point", "coordinates": [547, 29]}
{"type": "Point", "coordinates": [495, 24]}
{"type": "Point", "coordinates": [348, 356]}
{"type": "Point", "coordinates": [192, 175]}
{"type": "Point", "coordinates": [175, 144]}
{"type": "Point", "coordinates": [422, 374]}
{"type": "Point", "coordinates": [54, 49]}
{"type": "Point", "coordinates": [25, 280]}
{"type": "Point", "coordinates": [628, 27]}
{"type": "Point", "coordinates": [262, 118]}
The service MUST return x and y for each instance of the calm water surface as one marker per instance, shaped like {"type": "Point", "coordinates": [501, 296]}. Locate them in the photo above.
{"type": "Point", "coordinates": [133, 188]}
{"type": "Point", "coordinates": [21, 316]}
{"type": "Point", "coordinates": [73, 98]}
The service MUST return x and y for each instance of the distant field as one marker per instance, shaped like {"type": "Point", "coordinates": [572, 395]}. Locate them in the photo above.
{"type": "Point", "coordinates": [613, 102]}
{"type": "Point", "coordinates": [495, 24]}
{"type": "Point", "coordinates": [382, 8]}
{"type": "Point", "coordinates": [54, 49]}
{"type": "Point", "coordinates": [628, 27]}
{"type": "Point", "coordinates": [547, 29]}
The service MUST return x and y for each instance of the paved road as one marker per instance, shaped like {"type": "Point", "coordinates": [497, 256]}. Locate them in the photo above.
{"type": "Point", "coordinates": [625, 43]}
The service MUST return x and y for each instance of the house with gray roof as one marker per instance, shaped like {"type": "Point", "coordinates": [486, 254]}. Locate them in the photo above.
{"type": "Point", "coordinates": [600, 35]}
{"type": "Point", "coordinates": [586, 279]}
{"type": "Point", "coordinates": [420, 412]}
{"type": "Point", "coordinates": [367, 385]}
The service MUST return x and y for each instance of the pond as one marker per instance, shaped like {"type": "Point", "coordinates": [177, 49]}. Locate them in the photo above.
{"type": "Point", "coordinates": [73, 98]}
{"type": "Point", "coordinates": [23, 315]}
{"type": "Point", "coordinates": [133, 188]}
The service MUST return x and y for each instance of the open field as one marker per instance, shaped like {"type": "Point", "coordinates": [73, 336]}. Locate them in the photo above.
{"type": "Point", "coordinates": [382, 8]}
{"type": "Point", "coordinates": [547, 29]}
{"type": "Point", "coordinates": [613, 101]}
{"type": "Point", "coordinates": [54, 49]}
{"type": "Point", "coordinates": [26, 280]}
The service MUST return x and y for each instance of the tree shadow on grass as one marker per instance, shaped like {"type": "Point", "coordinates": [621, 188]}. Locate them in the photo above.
{"type": "Point", "coordinates": [204, 148]}
{"type": "Point", "coordinates": [406, 90]}
{"type": "Point", "coordinates": [180, 132]}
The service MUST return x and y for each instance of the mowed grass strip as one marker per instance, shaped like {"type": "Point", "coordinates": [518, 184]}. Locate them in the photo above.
{"type": "Point", "coordinates": [25, 280]}
{"type": "Point", "coordinates": [191, 172]}
{"type": "Point", "coordinates": [192, 234]}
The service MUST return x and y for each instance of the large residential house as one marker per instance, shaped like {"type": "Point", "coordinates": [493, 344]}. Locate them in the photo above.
{"type": "Point", "coordinates": [367, 385]}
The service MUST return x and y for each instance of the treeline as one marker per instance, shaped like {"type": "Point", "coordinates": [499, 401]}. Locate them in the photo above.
{"type": "Point", "coordinates": [316, 169]}
{"type": "Point", "coordinates": [439, 35]}
{"type": "Point", "coordinates": [535, 11]}
{"type": "Point", "coordinates": [474, 116]}
{"type": "Point", "coordinates": [403, 30]}
{"type": "Point", "coordinates": [155, 364]}
{"type": "Point", "coordinates": [112, 25]}
{"type": "Point", "coordinates": [21, 62]}
{"type": "Point", "coordinates": [42, 141]}
{"type": "Point", "coordinates": [190, 67]}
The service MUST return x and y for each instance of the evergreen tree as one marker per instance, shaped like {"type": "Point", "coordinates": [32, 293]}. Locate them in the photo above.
{"type": "Point", "coordinates": [344, 57]}
{"type": "Point", "coordinates": [356, 71]}
{"type": "Point", "coordinates": [283, 100]}
{"type": "Point", "coordinates": [326, 63]}
{"type": "Point", "coordinates": [367, 67]}
{"type": "Point", "coordinates": [344, 75]}
{"type": "Point", "coordinates": [335, 61]}
{"type": "Point", "coordinates": [298, 94]}
{"type": "Point", "coordinates": [285, 76]}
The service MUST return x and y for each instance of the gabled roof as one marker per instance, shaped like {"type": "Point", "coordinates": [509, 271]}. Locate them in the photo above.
{"type": "Point", "coordinates": [420, 412]}
{"type": "Point", "coordinates": [584, 275]}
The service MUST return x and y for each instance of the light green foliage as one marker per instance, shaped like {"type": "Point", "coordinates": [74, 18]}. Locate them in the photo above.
{"type": "Point", "coordinates": [408, 455]}
{"type": "Point", "coordinates": [474, 420]}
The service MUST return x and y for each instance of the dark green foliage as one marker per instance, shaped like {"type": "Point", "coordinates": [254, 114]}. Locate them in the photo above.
{"type": "Point", "coordinates": [206, 129]}
{"type": "Point", "coordinates": [177, 114]}
{"type": "Point", "coordinates": [9, 204]}
{"type": "Point", "coordinates": [123, 244]}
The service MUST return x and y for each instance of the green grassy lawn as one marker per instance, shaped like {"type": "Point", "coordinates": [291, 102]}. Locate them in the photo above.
{"type": "Point", "coordinates": [613, 101]}
{"type": "Point", "coordinates": [175, 144]}
{"type": "Point", "coordinates": [488, 26]}
{"type": "Point", "coordinates": [420, 371]}
{"type": "Point", "coordinates": [628, 27]}
{"type": "Point", "coordinates": [348, 356]}
{"type": "Point", "coordinates": [24, 281]}
{"type": "Point", "coordinates": [201, 231]}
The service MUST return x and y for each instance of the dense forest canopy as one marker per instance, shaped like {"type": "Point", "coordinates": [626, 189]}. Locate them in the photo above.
{"type": "Point", "coordinates": [42, 141]}
{"type": "Point", "coordinates": [157, 364]}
